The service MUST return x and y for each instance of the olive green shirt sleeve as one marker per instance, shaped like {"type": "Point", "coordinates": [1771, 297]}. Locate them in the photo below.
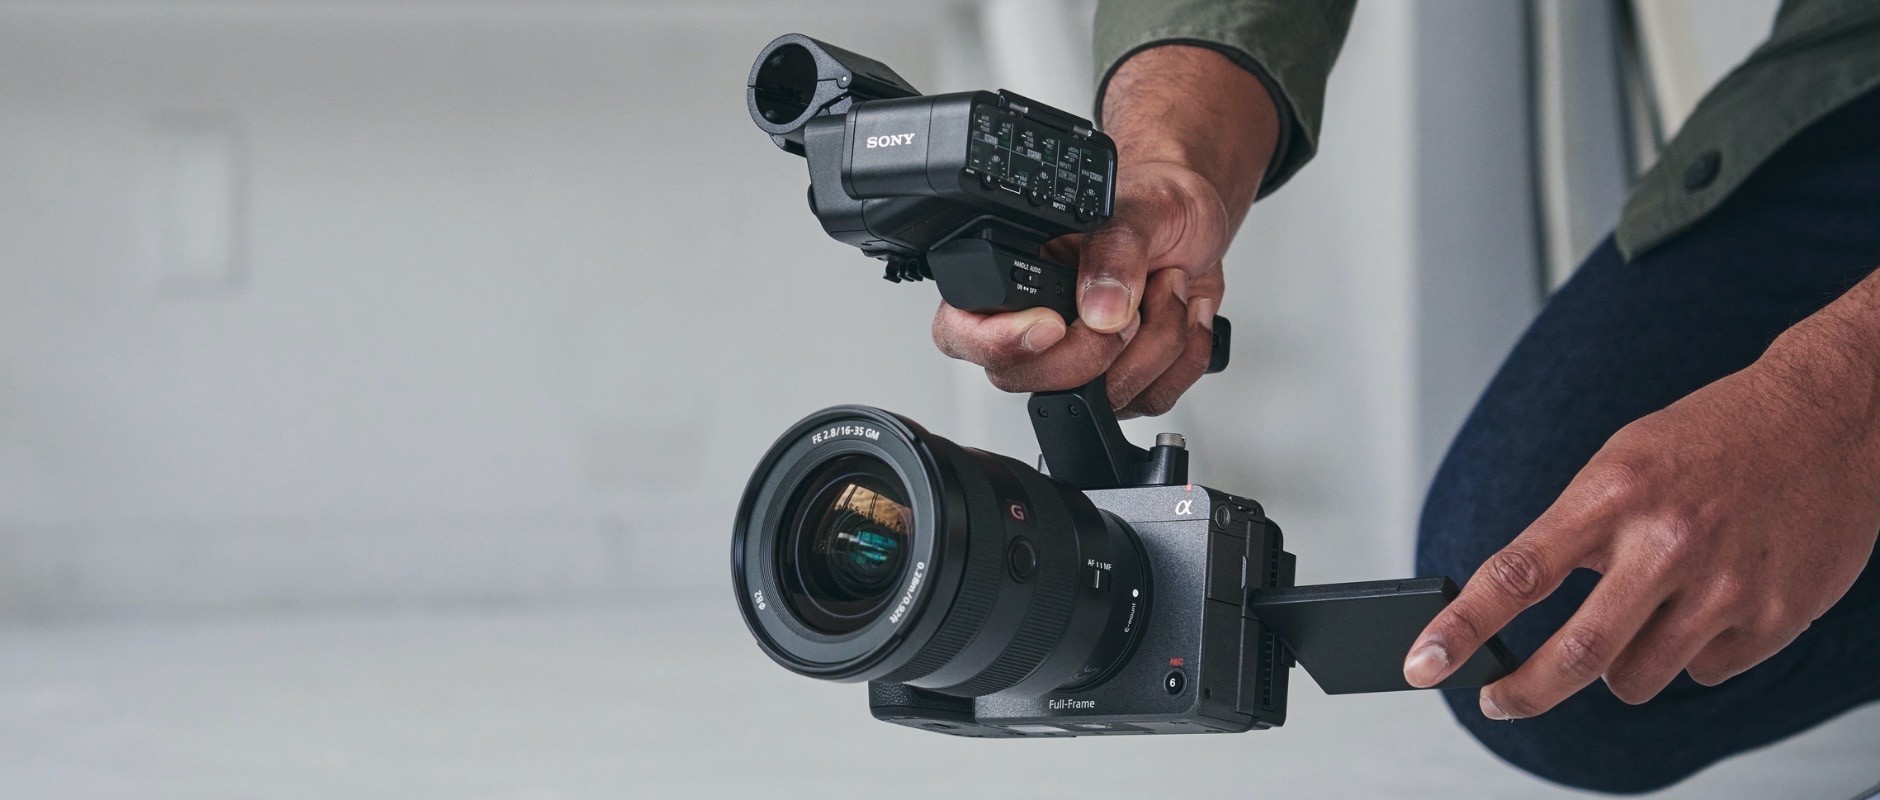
{"type": "Point", "coordinates": [1820, 56]}
{"type": "Point", "coordinates": [1289, 45]}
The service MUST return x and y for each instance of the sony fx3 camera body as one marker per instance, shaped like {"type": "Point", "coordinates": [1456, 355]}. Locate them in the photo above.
{"type": "Point", "coordinates": [1199, 665]}
{"type": "Point", "coordinates": [979, 596]}
{"type": "Point", "coordinates": [982, 598]}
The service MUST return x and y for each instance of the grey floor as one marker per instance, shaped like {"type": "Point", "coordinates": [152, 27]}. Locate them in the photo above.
{"type": "Point", "coordinates": [668, 701]}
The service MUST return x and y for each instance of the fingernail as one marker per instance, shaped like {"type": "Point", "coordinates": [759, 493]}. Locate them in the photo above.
{"type": "Point", "coordinates": [1180, 284]}
{"type": "Point", "coordinates": [1426, 665]}
{"type": "Point", "coordinates": [1105, 305]}
{"type": "Point", "coordinates": [1130, 332]}
{"type": "Point", "coordinates": [1042, 334]}
{"type": "Point", "coordinates": [1492, 711]}
{"type": "Point", "coordinates": [1204, 312]}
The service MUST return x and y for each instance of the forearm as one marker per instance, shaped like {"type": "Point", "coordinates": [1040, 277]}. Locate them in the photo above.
{"type": "Point", "coordinates": [1193, 107]}
{"type": "Point", "coordinates": [1831, 361]}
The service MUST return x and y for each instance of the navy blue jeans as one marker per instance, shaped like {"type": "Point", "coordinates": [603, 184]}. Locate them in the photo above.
{"type": "Point", "coordinates": [1620, 341]}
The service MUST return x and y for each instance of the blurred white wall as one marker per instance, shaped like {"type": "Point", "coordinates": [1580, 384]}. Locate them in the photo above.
{"type": "Point", "coordinates": [517, 296]}
{"type": "Point", "coordinates": [1688, 46]}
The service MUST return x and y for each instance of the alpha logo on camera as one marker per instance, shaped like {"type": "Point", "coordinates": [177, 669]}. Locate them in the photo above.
{"type": "Point", "coordinates": [891, 140]}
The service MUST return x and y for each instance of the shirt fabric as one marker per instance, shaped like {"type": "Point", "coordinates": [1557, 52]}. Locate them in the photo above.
{"type": "Point", "coordinates": [1820, 55]}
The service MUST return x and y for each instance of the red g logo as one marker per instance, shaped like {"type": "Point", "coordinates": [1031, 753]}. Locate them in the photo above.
{"type": "Point", "coordinates": [1016, 511]}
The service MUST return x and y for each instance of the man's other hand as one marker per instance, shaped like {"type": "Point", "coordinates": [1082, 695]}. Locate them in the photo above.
{"type": "Point", "coordinates": [1721, 527]}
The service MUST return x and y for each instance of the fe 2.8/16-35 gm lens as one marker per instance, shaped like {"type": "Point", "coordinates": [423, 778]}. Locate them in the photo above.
{"type": "Point", "coordinates": [867, 549]}
{"type": "Point", "coordinates": [844, 549]}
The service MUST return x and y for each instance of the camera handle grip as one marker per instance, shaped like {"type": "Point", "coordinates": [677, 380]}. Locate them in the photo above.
{"type": "Point", "coordinates": [985, 277]}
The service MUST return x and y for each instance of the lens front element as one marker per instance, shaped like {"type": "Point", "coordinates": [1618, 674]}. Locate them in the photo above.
{"type": "Point", "coordinates": [868, 549]}
{"type": "Point", "coordinates": [847, 546]}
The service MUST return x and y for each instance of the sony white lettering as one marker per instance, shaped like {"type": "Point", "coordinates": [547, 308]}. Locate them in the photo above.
{"type": "Point", "coordinates": [892, 140]}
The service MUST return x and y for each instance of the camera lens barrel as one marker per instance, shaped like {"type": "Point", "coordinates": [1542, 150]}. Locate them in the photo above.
{"type": "Point", "coordinates": [867, 549]}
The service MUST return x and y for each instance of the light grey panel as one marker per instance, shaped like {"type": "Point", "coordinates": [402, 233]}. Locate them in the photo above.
{"type": "Point", "coordinates": [523, 297]}
{"type": "Point", "coordinates": [1476, 252]}
{"type": "Point", "coordinates": [1580, 129]}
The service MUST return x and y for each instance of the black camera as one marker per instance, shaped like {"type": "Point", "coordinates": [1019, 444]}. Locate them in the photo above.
{"type": "Point", "coordinates": [979, 596]}
{"type": "Point", "coordinates": [982, 598]}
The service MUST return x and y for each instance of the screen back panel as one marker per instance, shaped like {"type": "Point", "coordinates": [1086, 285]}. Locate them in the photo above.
{"type": "Point", "coordinates": [1353, 637]}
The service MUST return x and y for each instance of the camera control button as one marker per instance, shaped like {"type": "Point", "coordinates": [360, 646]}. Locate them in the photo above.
{"type": "Point", "coordinates": [1021, 559]}
{"type": "Point", "coordinates": [1174, 682]}
{"type": "Point", "coordinates": [1098, 579]}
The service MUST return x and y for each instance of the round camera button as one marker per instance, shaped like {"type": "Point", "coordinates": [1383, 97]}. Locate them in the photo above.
{"type": "Point", "coordinates": [1174, 682]}
{"type": "Point", "coordinates": [1022, 559]}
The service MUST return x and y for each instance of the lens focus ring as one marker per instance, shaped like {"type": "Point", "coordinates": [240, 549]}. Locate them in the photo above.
{"type": "Point", "coordinates": [1050, 608]}
{"type": "Point", "coordinates": [979, 581]}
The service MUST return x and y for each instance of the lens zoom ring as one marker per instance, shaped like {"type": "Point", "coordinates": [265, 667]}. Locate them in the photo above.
{"type": "Point", "coordinates": [979, 582]}
{"type": "Point", "coordinates": [1051, 602]}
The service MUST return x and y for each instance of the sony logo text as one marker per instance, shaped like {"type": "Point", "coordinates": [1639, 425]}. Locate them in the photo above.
{"type": "Point", "coordinates": [892, 140]}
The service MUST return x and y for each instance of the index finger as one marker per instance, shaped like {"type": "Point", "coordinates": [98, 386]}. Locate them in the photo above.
{"type": "Point", "coordinates": [996, 341]}
{"type": "Point", "coordinates": [1525, 572]}
{"type": "Point", "coordinates": [1026, 351]}
{"type": "Point", "coordinates": [1581, 651]}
